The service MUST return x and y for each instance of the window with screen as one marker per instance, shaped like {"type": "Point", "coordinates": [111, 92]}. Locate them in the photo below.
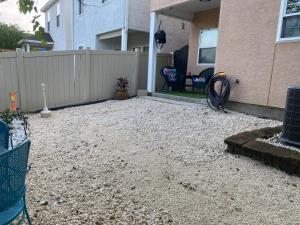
{"type": "Point", "coordinates": [48, 21]}
{"type": "Point", "coordinates": [207, 46]}
{"type": "Point", "coordinates": [290, 20]}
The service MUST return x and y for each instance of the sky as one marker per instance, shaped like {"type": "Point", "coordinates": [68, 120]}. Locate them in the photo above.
{"type": "Point", "coordinates": [10, 14]}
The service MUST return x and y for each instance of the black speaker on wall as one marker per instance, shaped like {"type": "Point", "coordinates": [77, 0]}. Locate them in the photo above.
{"type": "Point", "coordinates": [291, 124]}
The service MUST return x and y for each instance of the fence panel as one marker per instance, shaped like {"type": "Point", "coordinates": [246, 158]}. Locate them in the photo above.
{"type": "Point", "coordinates": [143, 71]}
{"type": "Point", "coordinates": [64, 75]}
{"type": "Point", "coordinates": [162, 61]}
{"type": "Point", "coordinates": [72, 77]}
{"type": "Point", "coordinates": [106, 68]}
{"type": "Point", "coordinates": [8, 78]}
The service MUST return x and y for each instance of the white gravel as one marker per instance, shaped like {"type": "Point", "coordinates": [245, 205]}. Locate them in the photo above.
{"type": "Point", "coordinates": [276, 141]}
{"type": "Point", "coordinates": [18, 133]}
{"type": "Point", "coordinates": [147, 162]}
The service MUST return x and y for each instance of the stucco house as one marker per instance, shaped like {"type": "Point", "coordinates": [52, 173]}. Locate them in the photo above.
{"type": "Point", "coordinates": [108, 25]}
{"type": "Point", "coordinates": [256, 43]}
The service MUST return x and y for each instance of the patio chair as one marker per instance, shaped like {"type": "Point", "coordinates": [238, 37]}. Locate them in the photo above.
{"type": "Point", "coordinates": [4, 135]}
{"type": "Point", "coordinates": [169, 75]}
{"type": "Point", "coordinates": [172, 78]}
{"type": "Point", "coordinates": [202, 80]}
{"type": "Point", "coordinates": [13, 169]}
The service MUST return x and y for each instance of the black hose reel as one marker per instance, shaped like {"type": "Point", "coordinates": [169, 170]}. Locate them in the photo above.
{"type": "Point", "coordinates": [218, 92]}
{"type": "Point", "coordinates": [160, 37]}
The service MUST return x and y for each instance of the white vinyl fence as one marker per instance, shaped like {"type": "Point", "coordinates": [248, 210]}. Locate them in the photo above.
{"type": "Point", "coordinates": [71, 77]}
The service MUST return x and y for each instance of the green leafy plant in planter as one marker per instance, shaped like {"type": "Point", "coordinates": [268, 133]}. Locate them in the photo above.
{"type": "Point", "coordinates": [18, 126]}
{"type": "Point", "coordinates": [7, 116]}
{"type": "Point", "coordinates": [122, 91]}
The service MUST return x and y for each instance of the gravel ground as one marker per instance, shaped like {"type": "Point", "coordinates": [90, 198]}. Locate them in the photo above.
{"type": "Point", "coordinates": [143, 161]}
{"type": "Point", "coordinates": [276, 141]}
{"type": "Point", "coordinates": [18, 133]}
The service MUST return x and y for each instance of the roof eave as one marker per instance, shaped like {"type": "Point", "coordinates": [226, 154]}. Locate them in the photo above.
{"type": "Point", "coordinates": [48, 5]}
{"type": "Point", "coordinates": [33, 42]}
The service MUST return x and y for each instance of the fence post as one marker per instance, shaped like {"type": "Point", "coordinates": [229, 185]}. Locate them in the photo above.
{"type": "Point", "coordinates": [137, 70]}
{"type": "Point", "coordinates": [88, 91]}
{"type": "Point", "coordinates": [21, 79]}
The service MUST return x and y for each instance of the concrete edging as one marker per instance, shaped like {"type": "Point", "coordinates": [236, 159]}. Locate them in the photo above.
{"type": "Point", "coordinates": [180, 98]}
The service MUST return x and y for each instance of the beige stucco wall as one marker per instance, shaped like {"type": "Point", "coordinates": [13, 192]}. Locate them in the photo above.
{"type": "Point", "coordinates": [286, 72]}
{"type": "Point", "coordinates": [247, 51]}
{"type": "Point", "coordinates": [202, 20]}
{"type": "Point", "coordinates": [246, 44]}
{"type": "Point", "coordinates": [176, 36]}
{"type": "Point", "coordinates": [160, 4]}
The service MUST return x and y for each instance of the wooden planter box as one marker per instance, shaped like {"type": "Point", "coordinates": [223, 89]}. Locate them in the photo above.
{"type": "Point", "coordinates": [121, 95]}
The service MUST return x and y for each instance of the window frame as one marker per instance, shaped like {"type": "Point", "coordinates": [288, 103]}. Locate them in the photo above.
{"type": "Point", "coordinates": [57, 20]}
{"type": "Point", "coordinates": [58, 14]}
{"type": "Point", "coordinates": [199, 47]}
{"type": "Point", "coordinates": [81, 8]}
{"type": "Point", "coordinates": [103, 2]}
{"type": "Point", "coordinates": [48, 26]}
{"type": "Point", "coordinates": [48, 21]}
{"type": "Point", "coordinates": [282, 15]}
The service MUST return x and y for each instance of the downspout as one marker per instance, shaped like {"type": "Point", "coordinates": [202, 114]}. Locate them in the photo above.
{"type": "Point", "coordinates": [73, 9]}
{"type": "Point", "coordinates": [124, 44]}
{"type": "Point", "coordinates": [126, 15]}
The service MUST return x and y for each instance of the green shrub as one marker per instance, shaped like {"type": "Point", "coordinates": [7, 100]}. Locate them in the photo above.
{"type": "Point", "coordinates": [7, 116]}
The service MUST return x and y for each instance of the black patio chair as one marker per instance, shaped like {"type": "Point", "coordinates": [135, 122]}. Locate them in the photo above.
{"type": "Point", "coordinates": [202, 80]}
{"type": "Point", "coordinates": [172, 78]}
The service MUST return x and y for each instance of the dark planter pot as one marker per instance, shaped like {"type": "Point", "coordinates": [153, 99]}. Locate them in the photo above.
{"type": "Point", "coordinates": [122, 95]}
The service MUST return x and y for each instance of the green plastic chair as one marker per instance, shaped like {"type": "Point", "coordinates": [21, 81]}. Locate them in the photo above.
{"type": "Point", "coordinates": [13, 170]}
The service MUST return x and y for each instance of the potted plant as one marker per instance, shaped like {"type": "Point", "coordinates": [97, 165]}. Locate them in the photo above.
{"type": "Point", "coordinates": [17, 124]}
{"type": "Point", "coordinates": [122, 91]}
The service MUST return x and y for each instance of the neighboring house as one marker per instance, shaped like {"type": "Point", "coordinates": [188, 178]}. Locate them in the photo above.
{"type": "Point", "coordinates": [30, 43]}
{"type": "Point", "coordinates": [59, 23]}
{"type": "Point", "coordinates": [108, 25]}
{"type": "Point", "coordinates": [257, 44]}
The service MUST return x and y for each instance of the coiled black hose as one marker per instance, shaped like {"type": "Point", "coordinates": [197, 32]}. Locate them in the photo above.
{"type": "Point", "coordinates": [218, 95]}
